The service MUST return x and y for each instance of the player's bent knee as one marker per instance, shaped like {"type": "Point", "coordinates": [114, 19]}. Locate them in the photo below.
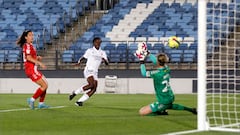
{"type": "Point", "coordinates": [44, 87]}
{"type": "Point", "coordinates": [141, 112]}
{"type": "Point", "coordinates": [91, 85]}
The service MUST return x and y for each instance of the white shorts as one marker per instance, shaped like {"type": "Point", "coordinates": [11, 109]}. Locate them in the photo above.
{"type": "Point", "coordinates": [89, 72]}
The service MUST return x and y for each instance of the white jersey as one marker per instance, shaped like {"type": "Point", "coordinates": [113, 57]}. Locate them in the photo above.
{"type": "Point", "coordinates": [94, 58]}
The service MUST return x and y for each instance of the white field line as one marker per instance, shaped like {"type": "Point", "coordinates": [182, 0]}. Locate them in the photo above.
{"type": "Point", "coordinates": [24, 109]}
{"type": "Point", "coordinates": [183, 132]}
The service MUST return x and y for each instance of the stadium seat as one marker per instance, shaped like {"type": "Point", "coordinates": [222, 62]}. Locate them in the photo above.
{"type": "Point", "coordinates": [85, 46]}
{"type": "Point", "coordinates": [78, 54]}
{"type": "Point", "coordinates": [183, 46]}
{"type": "Point", "coordinates": [13, 57]}
{"type": "Point", "coordinates": [122, 47]}
{"type": "Point", "coordinates": [67, 56]}
{"type": "Point", "coordinates": [2, 56]}
{"type": "Point", "coordinates": [193, 46]}
{"type": "Point", "coordinates": [189, 55]}
{"type": "Point", "coordinates": [168, 18]}
{"type": "Point", "coordinates": [110, 47]}
{"type": "Point", "coordinates": [114, 57]}
{"type": "Point", "coordinates": [175, 58]}
{"type": "Point", "coordinates": [188, 58]}
{"type": "Point", "coordinates": [158, 46]}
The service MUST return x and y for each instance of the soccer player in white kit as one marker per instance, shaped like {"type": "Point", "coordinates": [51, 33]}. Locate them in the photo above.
{"type": "Point", "coordinates": [94, 57]}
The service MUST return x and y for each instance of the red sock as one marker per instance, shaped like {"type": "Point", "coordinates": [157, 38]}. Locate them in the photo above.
{"type": "Point", "coordinates": [42, 97]}
{"type": "Point", "coordinates": [38, 93]}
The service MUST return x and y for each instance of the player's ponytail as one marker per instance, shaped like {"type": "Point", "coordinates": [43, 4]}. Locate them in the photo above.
{"type": "Point", "coordinates": [162, 59]}
{"type": "Point", "coordinates": [21, 40]}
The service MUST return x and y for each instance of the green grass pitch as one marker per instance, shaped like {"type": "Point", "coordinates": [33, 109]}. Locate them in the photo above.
{"type": "Point", "coordinates": [102, 114]}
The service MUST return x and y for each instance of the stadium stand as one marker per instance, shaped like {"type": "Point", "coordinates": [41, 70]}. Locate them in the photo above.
{"type": "Point", "coordinates": [148, 20]}
{"type": "Point", "coordinates": [121, 27]}
{"type": "Point", "coordinates": [47, 19]}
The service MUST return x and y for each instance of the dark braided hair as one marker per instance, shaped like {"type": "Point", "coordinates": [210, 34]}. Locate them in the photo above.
{"type": "Point", "coordinates": [96, 38]}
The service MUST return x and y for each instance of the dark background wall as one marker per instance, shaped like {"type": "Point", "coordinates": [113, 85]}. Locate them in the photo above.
{"type": "Point", "coordinates": [101, 73]}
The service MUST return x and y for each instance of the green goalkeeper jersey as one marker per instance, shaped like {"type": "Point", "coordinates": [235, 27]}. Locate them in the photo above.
{"type": "Point", "coordinates": [161, 77]}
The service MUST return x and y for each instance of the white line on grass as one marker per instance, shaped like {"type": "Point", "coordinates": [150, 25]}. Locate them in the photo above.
{"type": "Point", "coordinates": [183, 132]}
{"type": "Point", "coordinates": [24, 109]}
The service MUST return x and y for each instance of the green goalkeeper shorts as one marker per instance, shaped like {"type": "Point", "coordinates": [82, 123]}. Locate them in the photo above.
{"type": "Point", "coordinates": [156, 106]}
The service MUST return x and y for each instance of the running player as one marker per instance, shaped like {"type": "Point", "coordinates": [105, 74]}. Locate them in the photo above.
{"type": "Point", "coordinates": [31, 61]}
{"type": "Point", "coordinates": [163, 91]}
{"type": "Point", "coordinates": [94, 57]}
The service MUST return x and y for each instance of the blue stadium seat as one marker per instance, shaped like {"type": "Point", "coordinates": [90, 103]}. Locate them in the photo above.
{"type": "Point", "coordinates": [78, 54]}
{"type": "Point", "coordinates": [55, 32]}
{"type": "Point", "coordinates": [183, 46]}
{"type": "Point", "coordinates": [114, 57]}
{"type": "Point", "coordinates": [188, 58]}
{"type": "Point", "coordinates": [13, 56]}
{"type": "Point", "coordinates": [68, 56]}
{"type": "Point", "coordinates": [193, 46]}
{"type": "Point", "coordinates": [133, 46]}
{"type": "Point", "coordinates": [166, 20]}
{"type": "Point", "coordinates": [122, 46]}
{"type": "Point", "coordinates": [2, 56]}
{"type": "Point", "coordinates": [110, 47]}
{"type": "Point", "coordinates": [158, 46]}
{"type": "Point", "coordinates": [154, 52]}
{"type": "Point", "coordinates": [175, 58]}
{"type": "Point", "coordinates": [85, 46]}
{"type": "Point", "coordinates": [7, 46]}
{"type": "Point", "coordinates": [175, 55]}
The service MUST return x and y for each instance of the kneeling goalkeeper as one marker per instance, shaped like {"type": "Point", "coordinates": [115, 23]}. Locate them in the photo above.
{"type": "Point", "coordinates": [163, 91]}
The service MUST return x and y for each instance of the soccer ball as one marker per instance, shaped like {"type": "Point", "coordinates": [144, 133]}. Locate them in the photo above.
{"type": "Point", "coordinates": [173, 42]}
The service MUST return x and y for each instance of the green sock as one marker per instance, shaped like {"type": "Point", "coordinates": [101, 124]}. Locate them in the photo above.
{"type": "Point", "coordinates": [180, 107]}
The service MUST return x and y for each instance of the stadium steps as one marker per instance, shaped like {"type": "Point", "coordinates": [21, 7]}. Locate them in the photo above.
{"type": "Point", "coordinates": [69, 37]}
{"type": "Point", "coordinates": [131, 21]}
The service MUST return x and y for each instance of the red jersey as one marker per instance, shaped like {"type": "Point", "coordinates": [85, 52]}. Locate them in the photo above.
{"type": "Point", "coordinates": [30, 68]}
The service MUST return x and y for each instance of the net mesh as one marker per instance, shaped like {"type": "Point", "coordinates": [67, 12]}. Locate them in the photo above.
{"type": "Point", "coordinates": [223, 68]}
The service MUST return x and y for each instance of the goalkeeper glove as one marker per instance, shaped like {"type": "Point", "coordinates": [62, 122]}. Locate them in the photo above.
{"type": "Point", "coordinates": [141, 55]}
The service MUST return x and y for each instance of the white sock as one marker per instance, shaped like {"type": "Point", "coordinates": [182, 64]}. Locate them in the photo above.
{"type": "Point", "coordinates": [83, 98]}
{"type": "Point", "coordinates": [79, 90]}
{"type": "Point", "coordinates": [32, 99]}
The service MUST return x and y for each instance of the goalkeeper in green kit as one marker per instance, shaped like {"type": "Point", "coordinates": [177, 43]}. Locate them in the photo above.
{"type": "Point", "coordinates": [163, 91]}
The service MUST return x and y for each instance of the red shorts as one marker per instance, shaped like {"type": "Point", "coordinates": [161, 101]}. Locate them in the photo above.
{"type": "Point", "coordinates": [34, 75]}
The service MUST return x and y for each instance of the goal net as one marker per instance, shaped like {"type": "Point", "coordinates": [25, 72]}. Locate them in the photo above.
{"type": "Point", "coordinates": [218, 65]}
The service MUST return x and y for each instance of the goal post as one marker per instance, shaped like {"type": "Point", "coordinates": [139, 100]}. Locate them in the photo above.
{"type": "Point", "coordinates": [202, 65]}
{"type": "Point", "coordinates": [218, 65]}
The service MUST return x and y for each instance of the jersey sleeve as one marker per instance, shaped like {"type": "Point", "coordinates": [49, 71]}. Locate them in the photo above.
{"type": "Point", "coordinates": [153, 59]}
{"type": "Point", "coordinates": [143, 71]}
{"type": "Point", "coordinates": [86, 54]}
{"type": "Point", "coordinates": [104, 55]}
{"type": "Point", "coordinates": [27, 49]}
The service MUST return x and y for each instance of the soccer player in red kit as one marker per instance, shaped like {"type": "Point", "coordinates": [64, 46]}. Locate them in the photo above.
{"type": "Point", "coordinates": [31, 62]}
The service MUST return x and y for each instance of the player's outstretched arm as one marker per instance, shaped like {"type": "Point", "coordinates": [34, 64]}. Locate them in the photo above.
{"type": "Point", "coordinates": [81, 59]}
{"type": "Point", "coordinates": [153, 58]}
{"type": "Point", "coordinates": [143, 70]}
{"type": "Point", "coordinates": [105, 61]}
